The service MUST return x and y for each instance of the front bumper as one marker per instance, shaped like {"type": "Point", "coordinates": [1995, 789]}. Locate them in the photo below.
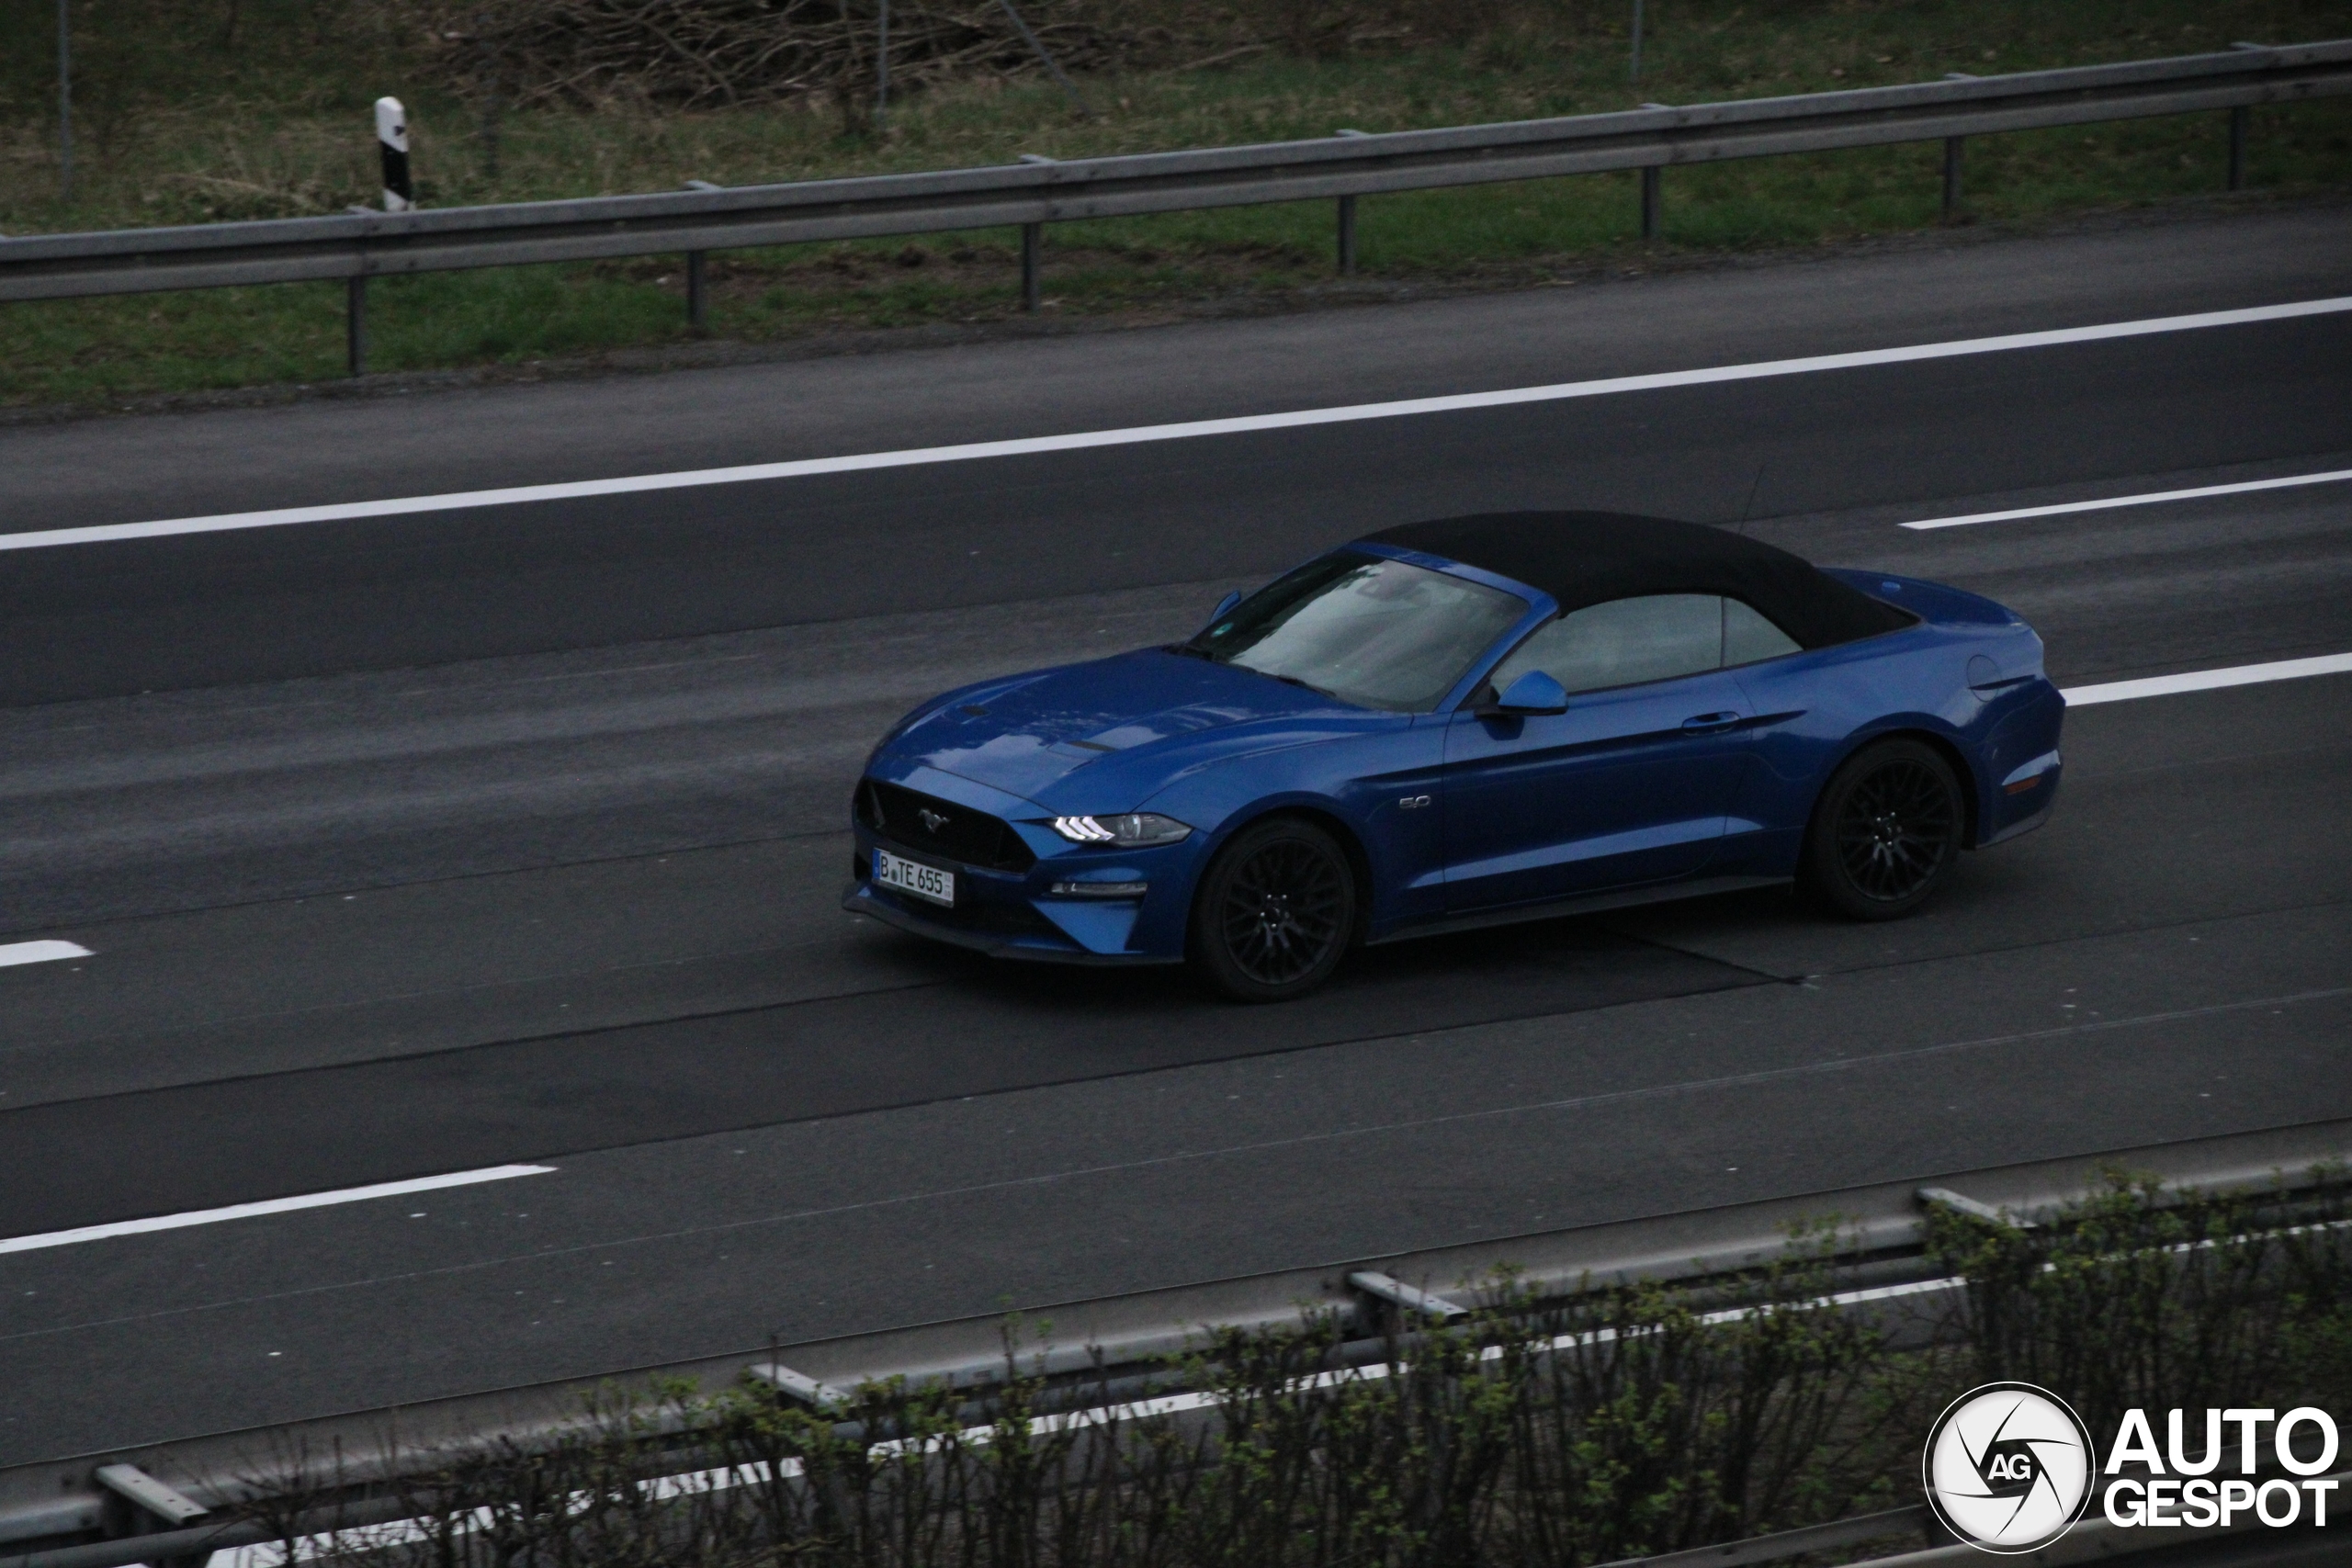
{"type": "Point", "coordinates": [2025, 800]}
{"type": "Point", "coordinates": [865, 898]}
{"type": "Point", "coordinates": [1017, 914]}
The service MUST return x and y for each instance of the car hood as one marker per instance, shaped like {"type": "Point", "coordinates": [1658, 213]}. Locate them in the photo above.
{"type": "Point", "coordinates": [1114, 726]}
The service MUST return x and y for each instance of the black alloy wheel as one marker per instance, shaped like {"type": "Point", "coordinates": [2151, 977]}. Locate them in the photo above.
{"type": "Point", "coordinates": [1275, 912]}
{"type": "Point", "coordinates": [1886, 834]}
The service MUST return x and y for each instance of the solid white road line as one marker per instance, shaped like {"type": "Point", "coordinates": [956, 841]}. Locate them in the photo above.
{"type": "Point", "coordinates": [2208, 679]}
{"type": "Point", "coordinates": [39, 951]}
{"type": "Point", "coordinates": [271, 1206]}
{"type": "Point", "coordinates": [806, 467]}
{"type": "Point", "coordinates": [2335, 476]}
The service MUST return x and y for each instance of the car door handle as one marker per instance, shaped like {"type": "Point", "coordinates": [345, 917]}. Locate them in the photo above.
{"type": "Point", "coordinates": [1709, 723]}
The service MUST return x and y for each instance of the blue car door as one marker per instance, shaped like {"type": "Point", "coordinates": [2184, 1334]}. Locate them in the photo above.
{"type": "Point", "coordinates": [1631, 784]}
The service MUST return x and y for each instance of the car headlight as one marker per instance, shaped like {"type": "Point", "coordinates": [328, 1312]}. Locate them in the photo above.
{"type": "Point", "coordinates": [1129, 830]}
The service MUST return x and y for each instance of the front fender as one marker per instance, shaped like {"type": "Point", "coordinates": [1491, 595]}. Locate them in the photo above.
{"type": "Point", "coordinates": [1357, 785]}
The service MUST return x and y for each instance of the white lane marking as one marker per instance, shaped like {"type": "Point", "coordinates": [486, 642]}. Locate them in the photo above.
{"type": "Point", "coordinates": [861, 462]}
{"type": "Point", "coordinates": [2208, 679]}
{"type": "Point", "coordinates": [270, 1206]}
{"type": "Point", "coordinates": [2335, 476]}
{"type": "Point", "coordinates": [39, 951]}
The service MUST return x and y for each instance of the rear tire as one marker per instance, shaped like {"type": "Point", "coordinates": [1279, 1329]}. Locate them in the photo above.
{"type": "Point", "coordinates": [1886, 832]}
{"type": "Point", "coordinates": [1275, 912]}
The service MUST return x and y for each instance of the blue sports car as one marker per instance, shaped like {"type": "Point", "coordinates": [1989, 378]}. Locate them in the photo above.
{"type": "Point", "coordinates": [1460, 723]}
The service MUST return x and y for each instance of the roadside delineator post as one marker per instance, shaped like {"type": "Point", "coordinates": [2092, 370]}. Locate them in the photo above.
{"type": "Point", "coordinates": [400, 195]}
{"type": "Point", "coordinates": [391, 147]}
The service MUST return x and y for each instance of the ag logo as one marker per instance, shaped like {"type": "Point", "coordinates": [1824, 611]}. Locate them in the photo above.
{"type": "Point", "coordinates": [2008, 1467]}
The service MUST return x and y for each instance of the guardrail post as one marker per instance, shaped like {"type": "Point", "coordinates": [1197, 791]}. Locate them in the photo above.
{"type": "Point", "coordinates": [1653, 200]}
{"type": "Point", "coordinates": [697, 279]}
{"type": "Point", "coordinates": [2239, 117]}
{"type": "Point", "coordinates": [1952, 176]}
{"type": "Point", "coordinates": [354, 323]}
{"type": "Point", "coordinates": [1033, 242]}
{"type": "Point", "coordinates": [1347, 216]}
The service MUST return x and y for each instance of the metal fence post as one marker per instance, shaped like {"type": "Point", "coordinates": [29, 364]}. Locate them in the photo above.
{"type": "Point", "coordinates": [1022, 26]}
{"type": "Point", "coordinates": [2239, 117]}
{"type": "Point", "coordinates": [354, 323]}
{"type": "Point", "coordinates": [490, 113]}
{"type": "Point", "coordinates": [1033, 241]}
{"type": "Point", "coordinates": [65, 102]}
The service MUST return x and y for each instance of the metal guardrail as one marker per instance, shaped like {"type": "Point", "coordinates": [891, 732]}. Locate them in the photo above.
{"type": "Point", "coordinates": [51, 1510]}
{"type": "Point", "coordinates": [1039, 191]}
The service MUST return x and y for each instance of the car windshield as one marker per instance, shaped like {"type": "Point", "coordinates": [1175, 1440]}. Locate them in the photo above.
{"type": "Point", "coordinates": [1365, 629]}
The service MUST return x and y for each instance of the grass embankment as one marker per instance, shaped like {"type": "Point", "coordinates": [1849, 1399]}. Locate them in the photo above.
{"type": "Point", "coordinates": [183, 121]}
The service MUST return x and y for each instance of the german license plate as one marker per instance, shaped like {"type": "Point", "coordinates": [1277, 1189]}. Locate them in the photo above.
{"type": "Point", "coordinates": [915, 879]}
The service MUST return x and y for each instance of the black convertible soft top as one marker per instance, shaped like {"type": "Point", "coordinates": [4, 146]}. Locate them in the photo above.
{"type": "Point", "coordinates": [1588, 557]}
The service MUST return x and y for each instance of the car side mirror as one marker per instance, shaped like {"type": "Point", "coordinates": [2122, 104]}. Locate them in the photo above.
{"type": "Point", "coordinates": [1227, 602]}
{"type": "Point", "coordinates": [1534, 692]}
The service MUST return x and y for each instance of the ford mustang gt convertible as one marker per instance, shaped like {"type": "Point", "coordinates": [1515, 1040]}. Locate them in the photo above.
{"type": "Point", "coordinates": [1461, 723]}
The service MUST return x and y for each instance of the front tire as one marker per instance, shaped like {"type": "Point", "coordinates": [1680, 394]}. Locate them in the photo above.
{"type": "Point", "coordinates": [1275, 912]}
{"type": "Point", "coordinates": [1885, 836]}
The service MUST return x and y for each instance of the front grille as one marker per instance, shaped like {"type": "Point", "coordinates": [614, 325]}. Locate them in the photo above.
{"type": "Point", "coordinates": [961, 833]}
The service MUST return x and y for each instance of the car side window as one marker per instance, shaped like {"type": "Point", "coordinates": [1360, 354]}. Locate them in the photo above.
{"type": "Point", "coordinates": [1750, 638]}
{"type": "Point", "coordinates": [1623, 642]}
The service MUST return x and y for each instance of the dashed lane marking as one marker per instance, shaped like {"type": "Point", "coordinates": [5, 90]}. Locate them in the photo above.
{"type": "Point", "coordinates": [270, 1206]}
{"type": "Point", "coordinates": [2208, 679]}
{"type": "Point", "coordinates": [46, 951]}
{"type": "Point", "coordinates": [2334, 476]}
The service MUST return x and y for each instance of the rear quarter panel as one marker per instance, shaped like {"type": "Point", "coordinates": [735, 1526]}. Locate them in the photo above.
{"type": "Point", "coordinates": [1968, 675]}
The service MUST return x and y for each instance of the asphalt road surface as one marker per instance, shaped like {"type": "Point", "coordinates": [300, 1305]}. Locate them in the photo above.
{"type": "Point", "coordinates": [511, 834]}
